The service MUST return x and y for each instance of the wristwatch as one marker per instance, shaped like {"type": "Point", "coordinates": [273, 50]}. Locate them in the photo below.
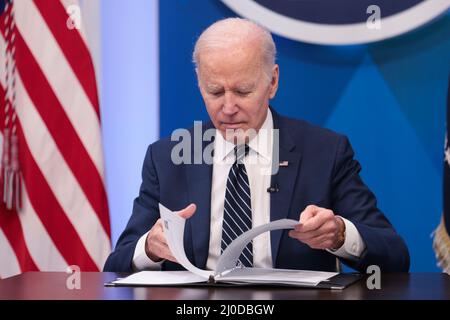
{"type": "Point", "coordinates": [341, 235]}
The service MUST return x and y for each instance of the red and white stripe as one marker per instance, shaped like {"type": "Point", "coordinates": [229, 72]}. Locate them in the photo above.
{"type": "Point", "coordinates": [64, 217]}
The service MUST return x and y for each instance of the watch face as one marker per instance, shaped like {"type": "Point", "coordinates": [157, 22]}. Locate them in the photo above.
{"type": "Point", "coordinates": [339, 21]}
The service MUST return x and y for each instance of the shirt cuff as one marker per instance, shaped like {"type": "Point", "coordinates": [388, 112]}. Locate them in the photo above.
{"type": "Point", "coordinates": [140, 259]}
{"type": "Point", "coordinates": [353, 246]}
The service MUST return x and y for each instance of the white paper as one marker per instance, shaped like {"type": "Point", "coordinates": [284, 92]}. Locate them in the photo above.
{"type": "Point", "coordinates": [173, 226]}
{"type": "Point", "coordinates": [226, 270]}
{"type": "Point", "coordinates": [160, 278]}
{"type": "Point", "coordinates": [277, 276]}
{"type": "Point", "coordinates": [230, 256]}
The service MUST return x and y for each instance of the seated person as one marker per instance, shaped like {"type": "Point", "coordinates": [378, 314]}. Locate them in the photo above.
{"type": "Point", "coordinates": [264, 167]}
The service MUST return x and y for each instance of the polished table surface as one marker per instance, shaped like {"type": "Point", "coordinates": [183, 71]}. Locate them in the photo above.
{"type": "Point", "coordinates": [52, 285]}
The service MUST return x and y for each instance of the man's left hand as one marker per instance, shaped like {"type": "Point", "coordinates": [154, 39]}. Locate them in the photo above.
{"type": "Point", "coordinates": [319, 228]}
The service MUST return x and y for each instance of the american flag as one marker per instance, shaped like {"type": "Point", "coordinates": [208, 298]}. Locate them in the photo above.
{"type": "Point", "coordinates": [441, 242]}
{"type": "Point", "coordinates": [48, 100]}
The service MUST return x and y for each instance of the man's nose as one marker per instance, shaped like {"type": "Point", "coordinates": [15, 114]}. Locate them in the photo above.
{"type": "Point", "coordinates": [229, 104]}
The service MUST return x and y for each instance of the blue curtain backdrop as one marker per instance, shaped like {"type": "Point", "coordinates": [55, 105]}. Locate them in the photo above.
{"type": "Point", "coordinates": [388, 97]}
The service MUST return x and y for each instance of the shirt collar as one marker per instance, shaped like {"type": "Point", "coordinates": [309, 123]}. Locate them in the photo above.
{"type": "Point", "coordinates": [261, 144]}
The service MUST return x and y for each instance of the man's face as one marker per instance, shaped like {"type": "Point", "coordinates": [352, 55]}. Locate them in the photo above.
{"type": "Point", "coordinates": [235, 89]}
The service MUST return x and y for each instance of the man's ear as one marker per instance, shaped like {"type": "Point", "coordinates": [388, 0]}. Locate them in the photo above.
{"type": "Point", "coordinates": [274, 81]}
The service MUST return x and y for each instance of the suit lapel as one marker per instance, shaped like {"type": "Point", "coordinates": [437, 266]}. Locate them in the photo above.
{"type": "Point", "coordinates": [199, 181]}
{"type": "Point", "coordinates": [284, 180]}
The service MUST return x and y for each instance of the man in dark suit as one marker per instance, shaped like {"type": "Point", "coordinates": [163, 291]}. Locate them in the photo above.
{"type": "Point", "coordinates": [263, 167]}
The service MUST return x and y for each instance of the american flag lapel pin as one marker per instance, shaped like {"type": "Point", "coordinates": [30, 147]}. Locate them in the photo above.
{"type": "Point", "coordinates": [284, 163]}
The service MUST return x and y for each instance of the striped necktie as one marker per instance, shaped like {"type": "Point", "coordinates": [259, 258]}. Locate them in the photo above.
{"type": "Point", "coordinates": [237, 215]}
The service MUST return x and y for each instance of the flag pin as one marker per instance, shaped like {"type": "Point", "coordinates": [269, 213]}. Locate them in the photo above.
{"type": "Point", "coordinates": [284, 163]}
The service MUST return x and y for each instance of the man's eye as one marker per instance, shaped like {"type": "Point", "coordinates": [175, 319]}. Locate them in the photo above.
{"type": "Point", "coordinates": [216, 94]}
{"type": "Point", "coordinates": [243, 93]}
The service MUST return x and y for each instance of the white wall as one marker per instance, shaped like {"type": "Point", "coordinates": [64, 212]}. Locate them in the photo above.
{"type": "Point", "coordinates": [129, 98]}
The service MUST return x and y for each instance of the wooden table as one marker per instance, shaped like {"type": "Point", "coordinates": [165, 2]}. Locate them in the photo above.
{"type": "Point", "coordinates": [52, 285]}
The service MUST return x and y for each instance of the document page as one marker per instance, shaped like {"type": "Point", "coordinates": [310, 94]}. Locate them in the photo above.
{"type": "Point", "coordinates": [277, 276]}
{"type": "Point", "coordinates": [160, 278]}
{"type": "Point", "coordinates": [230, 256]}
{"type": "Point", "coordinates": [226, 268]}
{"type": "Point", "coordinates": [174, 231]}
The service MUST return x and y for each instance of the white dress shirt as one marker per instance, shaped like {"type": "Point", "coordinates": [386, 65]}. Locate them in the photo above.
{"type": "Point", "coordinates": [258, 165]}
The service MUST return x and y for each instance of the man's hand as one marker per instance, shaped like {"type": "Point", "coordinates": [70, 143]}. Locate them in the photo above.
{"type": "Point", "coordinates": [156, 246]}
{"type": "Point", "coordinates": [319, 228]}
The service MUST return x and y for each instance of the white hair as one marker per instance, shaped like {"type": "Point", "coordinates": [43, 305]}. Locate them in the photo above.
{"type": "Point", "coordinates": [225, 33]}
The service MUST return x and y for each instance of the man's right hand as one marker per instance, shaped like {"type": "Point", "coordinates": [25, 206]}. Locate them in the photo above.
{"type": "Point", "coordinates": [156, 246]}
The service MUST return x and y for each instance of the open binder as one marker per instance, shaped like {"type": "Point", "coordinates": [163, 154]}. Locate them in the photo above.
{"type": "Point", "coordinates": [228, 272]}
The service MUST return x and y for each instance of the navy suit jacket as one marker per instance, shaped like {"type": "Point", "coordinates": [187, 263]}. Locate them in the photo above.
{"type": "Point", "coordinates": [321, 171]}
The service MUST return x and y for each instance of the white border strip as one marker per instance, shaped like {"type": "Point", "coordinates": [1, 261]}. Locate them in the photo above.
{"type": "Point", "coordinates": [339, 34]}
{"type": "Point", "coordinates": [10, 265]}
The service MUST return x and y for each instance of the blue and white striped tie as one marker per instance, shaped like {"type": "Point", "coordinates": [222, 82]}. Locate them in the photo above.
{"type": "Point", "coordinates": [237, 215]}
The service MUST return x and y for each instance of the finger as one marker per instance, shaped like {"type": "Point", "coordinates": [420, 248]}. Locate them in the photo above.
{"type": "Point", "coordinates": [157, 230]}
{"type": "Point", "coordinates": [309, 212]}
{"type": "Point", "coordinates": [188, 212]}
{"type": "Point", "coordinates": [305, 236]}
{"type": "Point", "coordinates": [297, 227]}
{"type": "Point", "coordinates": [296, 235]}
{"type": "Point", "coordinates": [317, 221]}
{"type": "Point", "coordinates": [171, 258]}
{"type": "Point", "coordinates": [165, 250]}
{"type": "Point", "coordinates": [168, 254]}
{"type": "Point", "coordinates": [328, 226]}
{"type": "Point", "coordinates": [156, 250]}
{"type": "Point", "coordinates": [163, 247]}
{"type": "Point", "coordinates": [160, 237]}
{"type": "Point", "coordinates": [312, 224]}
{"type": "Point", "coordinates": [309, 235]}
{"type": "Point", "coordinates": [156, 238]}
{"type": "Point", "coordinates": [160, 248]}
